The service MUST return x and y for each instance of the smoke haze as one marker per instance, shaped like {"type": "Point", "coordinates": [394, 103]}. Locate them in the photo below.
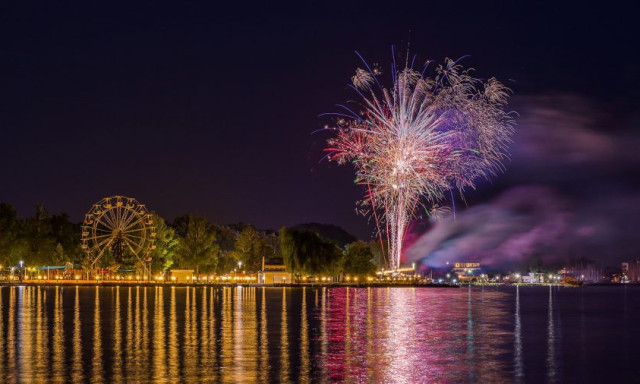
{"type": "Point", "coordinates": [570, 191]}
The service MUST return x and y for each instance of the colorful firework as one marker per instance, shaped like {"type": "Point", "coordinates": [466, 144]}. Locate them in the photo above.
{"type": "Point", "coordinates": [418, 139]}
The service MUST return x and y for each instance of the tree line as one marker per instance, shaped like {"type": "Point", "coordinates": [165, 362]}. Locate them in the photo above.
{"type": "Point", "coordinates": [188, 242]}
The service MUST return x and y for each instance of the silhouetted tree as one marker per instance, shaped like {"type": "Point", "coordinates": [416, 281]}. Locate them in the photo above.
{"type": "Point", "coordinates": [13, 247]}
{"type": "Point", "coordinates": [250, 247]}
{"type": "Point", "coordinates": [167, 244]}
{"type": "Point", "coordinates": [197, 248]}
{"type": "Point", "coordinates": [38, 233]}
{"type": "Point", "coordinates": [357, 259]}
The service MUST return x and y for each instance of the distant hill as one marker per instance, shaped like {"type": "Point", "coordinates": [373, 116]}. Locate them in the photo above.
{"type": "Point", "coordinates": [328, 232]}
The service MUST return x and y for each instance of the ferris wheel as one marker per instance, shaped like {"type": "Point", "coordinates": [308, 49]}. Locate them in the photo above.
{"type": "Point", "coordinates": [119, 225]}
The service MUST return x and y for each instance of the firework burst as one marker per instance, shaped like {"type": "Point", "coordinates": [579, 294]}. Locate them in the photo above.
{"type": "Point", "coordinates": [421, 137]}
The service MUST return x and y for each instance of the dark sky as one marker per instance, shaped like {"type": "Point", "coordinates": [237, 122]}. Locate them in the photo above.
{"type": "Point", "coordinates": [208, 108]}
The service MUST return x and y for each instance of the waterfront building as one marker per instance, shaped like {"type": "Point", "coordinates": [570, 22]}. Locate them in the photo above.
{"type": "Point", "coordinates": [533, 278]}
{"type": "Point", "coordinates": [182, 275]}
{"type": "Point", "coordinates": [631, 271]}
{"type": "Point", "coordinates": [274, 272]}
{"type": "Point", "coordinates": [467, 272]}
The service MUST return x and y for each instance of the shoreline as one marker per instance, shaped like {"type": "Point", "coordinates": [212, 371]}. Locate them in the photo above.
{"type": "Point", "coordinates": [84, 283]}
{"type": "Point", "coordinates": [90, 283]}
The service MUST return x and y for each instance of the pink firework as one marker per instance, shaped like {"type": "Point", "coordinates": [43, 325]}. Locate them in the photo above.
{"type": "Point", "coordinates": [420, 138]}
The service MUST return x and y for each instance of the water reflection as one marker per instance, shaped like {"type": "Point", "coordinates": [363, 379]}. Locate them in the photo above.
{"type": "Point", "coordinates": [159, 341]}
{"type": "Point", "coordinates": [97, 373]}
{"type": "Point", "coordinates": [130, 362]}
{"type": "Point", "coordinates": [304, 340]}
{"type": "Point", "coordinates": [284, 340]}
{"type": "Point", "coordinates": [2, 354]}
{"type": "Point", "coordinates": [137, 366]}
{"type": "Point", "coordinates": [77, 375]}
{"type": "Point", "coordinates": [264, 339]}
{"type": "Point", "coordinates": [25, 332]}
{"type": "Point", "coordinates": [248, 334]}
{"type": "Point", "coordinates": [173, 335]}
{"type": "Point", "coordinates": [189, 356]}
{"type": "Point", "coordinates": [58, 344]}
{"type": "Point", "coordinates": [413, 335]}
{"type": "Point", "coordinates": [323, 331]}
{"type": "Point", "coordinates": [551, 338]}
{"type": "Point", "coordinates": [517, 353]}
{"type": "Point", "coordinates": [470, 346]}
{"type": "Point", "coordinates": [11, 374]}
{"type": "Point", "coordinates": [117, 340]}
{"type": "Point", "coordinates": [41, 330]}
{"type": "Point", "coordinates": [145, 347]}
{"type": "Point", "coordinates": [226, 332]}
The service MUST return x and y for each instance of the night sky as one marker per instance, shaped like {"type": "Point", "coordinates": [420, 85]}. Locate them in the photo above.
{"type": "Point", "coordinates": [208, 108]}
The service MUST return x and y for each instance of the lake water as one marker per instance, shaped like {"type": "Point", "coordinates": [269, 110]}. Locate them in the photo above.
{"type": "Point", "coordinates": [373, 335]}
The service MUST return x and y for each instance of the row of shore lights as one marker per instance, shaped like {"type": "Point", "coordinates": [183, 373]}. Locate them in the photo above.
{"type": "Point", "coordinates": [219, 278]}
{"type": "Point", "coordinates": [77, 277]}
{"type": "Point", "coordinates": [173, 278]}
{"type": "Point", "coordinates": [207, 278]}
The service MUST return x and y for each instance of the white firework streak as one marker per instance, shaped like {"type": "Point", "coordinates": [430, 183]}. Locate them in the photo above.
{"type": "Point", "coordinates": [420, 138]}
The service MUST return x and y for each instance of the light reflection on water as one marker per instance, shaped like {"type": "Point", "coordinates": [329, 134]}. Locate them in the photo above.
{"type": "Point", "coordinates": [248, 334]}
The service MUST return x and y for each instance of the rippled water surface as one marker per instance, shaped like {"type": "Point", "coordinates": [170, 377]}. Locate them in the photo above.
{"type": "Point", "coordinates": [164, 334]}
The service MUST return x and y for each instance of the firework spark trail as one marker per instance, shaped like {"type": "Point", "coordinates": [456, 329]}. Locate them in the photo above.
{"type": "Point", "coordinates": [420, 138]}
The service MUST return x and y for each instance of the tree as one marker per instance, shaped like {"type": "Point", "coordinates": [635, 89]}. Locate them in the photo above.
{"type": "Point", "coordinates": [85, 264]}
{"type": "Point", "coordinates": [306, 252]}
{"type": "Point", "coordinates": [12, 247]}
{"type": "Point", "coordinates": [378, 249]}
{"type": "Point", "coordinates": [225, 238]}
{"type": "Point", "coordinates": [67, 234]}
{"type": "Point", "coordinates": [38, 233]}
{"type": "Point", "coordinates": [288, 249]}
{"type": "Point", "coordinates": [112, 263]}
{"type": "Point", "coordinates": [250, 247]}
{"type": "Point", "coordinates": [167, 244]}
{"type": "Point", "coordinates": [59, 256]}
{"type": "Point", "coordinates": [197, 248]}
{"type": "Point", "coordinates": [317, 255]}
{"type": "Point", "coordinates": [357, 259]}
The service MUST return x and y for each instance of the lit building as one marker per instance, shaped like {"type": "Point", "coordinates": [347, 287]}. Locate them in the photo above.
{"type": "Point", "coordinates": [181, 275]}
{"type": "Point", "coordinates": [631, 271]}
{"type": "Point", "coordinates": [274, 272]}
{"type": "Point", "coordinates": [533, 278]}
{"type": "Point", "coordinates": [467, 272]}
